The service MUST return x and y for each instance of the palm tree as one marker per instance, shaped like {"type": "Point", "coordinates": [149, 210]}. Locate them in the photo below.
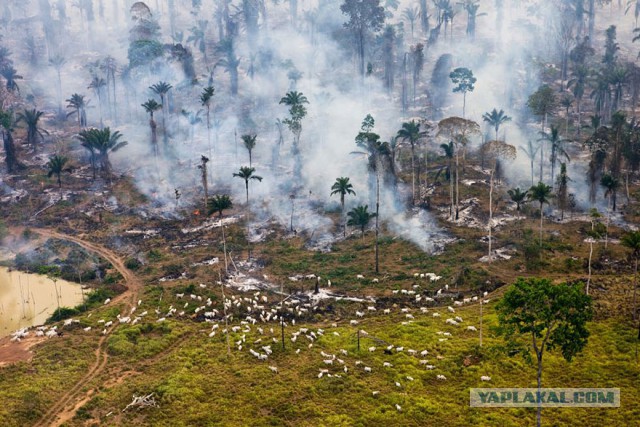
{"type": "Point", "coordinates": [343, 187]}
{"type": "Point", "coordinates": [31, 119]}
{"type": "Point", "coordinates": [519, 197]}
{"type": "Point", "coordinates": [205, 100]}
{"type": "Point", "coordinates": [359, 217]}
{"type": "Point", "coordinates": [540, 193]}
{"type": "Point", "coordinates": [56, 166]}
{"type": "Point", "coordinates": [229, 61]}
{"type": "Point", "coordinates": [246, 173]}
{"type": "Point", "coordinates": [411, 131]}
{"type": "Point", "coordinates": [495, 119]}
{"type": "Point", "coordinates": [611, 184]}
{"type": "Point", "coordinates": [101, 142]}
{"type": "Point", "coordinates": [449, 153]}
{"type": "Point", "coordinates": [411, 14]}
{"type": "Point", "coordinates": [58, 62]}
{"type": "Point", "coordinates": [78, 105]}
{"type": "Point", "coordinates": [631, 240]}
{"type": "Point", "coordinates": [566, 101]}
{"type": "Point", "coordinates": [161, 89]}
{"type": "Point", "coordinates": [557, 147]}
{"type": "Point", "coordinates": [6, 132]}
{"type": "Point", "coordinates": [150, 106]}
{"type": "Point", "coordinates": [97, 84]}
{"type": "Point", "coordinates": [531, 153]}
{"type": "Point", "coordinates": [203, 167]}
{"type": "Point", "coordinates": [249, 142]}
{"type": "Point", "coordinates": [11, 75]}
{"type": "Point", "coordinates": [578, 84]}
{"type": "Point", "coordinates": [593, 234]}
{"type": "Point", "coordinates": [218, 204]}
{"type": "Point", "coordinates": [499, 151]}
{"type": "Point", "coordinates": [198, 37]}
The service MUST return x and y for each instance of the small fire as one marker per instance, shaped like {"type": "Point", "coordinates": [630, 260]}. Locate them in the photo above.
{"type": "Point", "coordinates": [196, 212]}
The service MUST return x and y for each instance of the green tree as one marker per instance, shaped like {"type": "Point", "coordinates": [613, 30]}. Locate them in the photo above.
{"type": "Point", "coordinates": [31, 119]}
{"type": "Point", "coordinates": [10, 75]}
{"type": "Point", "coordinates": [548, 316]}
{"type": "Point", "coordinates": [365, 17]}
{"type": "Point", "coordinates": [6, 130]}
{"type": "Point", "coordinates": [495, 119]}
{"type": "Point", "coordinates": [56, 166]}
{"type": "Point", "coordinates": [449, 153]}
{"type": "Point", "coordinates": [464, 80]}
{"type": "Point", "coordinates": [342, 186]}
{"type": "Point", "coordinates": [297, 111]}
{"type": "Point", "coordinates": [246, 173]}
{"type": "Point", "coordinates": [611, 184]}
{"type": "Point", "coordinates": [411, 132]}
{"type": "Point", "coordinates": [198, 37]}
{"type": "Point", "coordinates": [57, 62]}
{"type": "Point", "coordinates": [219, 203]}
{"type": "Point", "coordinates": [100, 143]}
{"type": "Point", "coordinates": [557, 147]}
{"type": "Point", "coordinates": [540, 193]}
{"type": "Point", "coordinates": [150, 107]}
{"type": "Point", "coordinates": [249, 142]}
{"type": "Point", "coordinates": [531, 153]}
{"type": "Point", "coordinates": [542, 103]}
{"type": "Point", "coordinates": [78, 106]}
{"type": "Point", "coordinates": [162, 89]}
{"type": "Point", "coordinates": [631, 240]}
{"type": "Point", "coordinates": [519, 197]}
{"type": "Point", "coordinates": [562, 192]}
{"type": "Point", "coordinates": [205, 99]}
{"type": "Point", "coordinates": [98, 84]}
{"type": "Point", "coordinates": [577, 84]}
{"type": "Point", "coordinates": [360, 217]}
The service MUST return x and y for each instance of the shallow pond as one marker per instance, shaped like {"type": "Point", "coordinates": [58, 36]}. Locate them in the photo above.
{"type": "Point", "coordinates": [29, 299]}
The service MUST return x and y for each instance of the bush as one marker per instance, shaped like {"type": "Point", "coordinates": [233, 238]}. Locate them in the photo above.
{"type": "Point", "coordinates": [132, 264]}
{"type": "Point", "coordinates": [63, 313]}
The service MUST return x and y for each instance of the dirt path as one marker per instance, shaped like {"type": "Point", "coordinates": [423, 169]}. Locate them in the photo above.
{"type": "Point", "coordinates": [66, 406]}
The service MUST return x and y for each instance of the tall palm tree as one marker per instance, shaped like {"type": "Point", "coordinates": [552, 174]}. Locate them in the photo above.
{"type": "Point", "coordinates": [495, 119]}
{"type": "Point", "coordinates": [150, 107]}
{"type": "Point", "coordinates": [449, 153]}
{"type": "Point", "coordinates": [58, 62]}
{"type": "Point", "coordinates": [98, 84]}
{"type": "Point", "coordinates": [410, 131]}
{"type": "Point", "coordinates": [7, 123]}
{"type": "Point", "coordinates": [249, 142]}
{"type": "Point", "coordinates": [359, 217]}
{"type": "Point", "coordinates": [56, 166]}
{"type": "Point", "coordinates": [342, 186]}
{"type": "Point", "coordinates": [611, 184]}
{"type": "Point", "coordinates": [411, 14]}
{"type": "Point", "coordinates": [198, 37]}
{"type": "Point", "coordinates": [578, 84]}
{"type": "Point", "coordinates": [161, 89]}
{"type": "Point", "coordinates": [246, 173]}
{"type": "Point", "coordinates": [229, 62]}
{"type": "Point", "coordinates": [540, 193]}
{"type": "Point", "coordinates": [218, 204]}
{"type": "Point", "coordinates": [631, 240]}
{"type": "Point", "coordinates": [557, 147]}
{"type": "Point", "coordinates": [34, 131]}
{"type": "Point", "coordinates": [205, 100]}
{"type": "Point", "coordinates": [519, 197]}
{"type": "Point", "coordinates": [78, 106]}
{"type": "Point", "coordinates": [10, 74]}
{"type": "Point", "coordinates": [531, 153]}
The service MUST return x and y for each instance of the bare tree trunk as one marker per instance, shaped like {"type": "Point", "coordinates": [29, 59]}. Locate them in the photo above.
{"type": "Point", "coordinates": [539, 378]}
{"type": "Point", "coordinates": [490, 210]}
{"type": "Point", "coordinates": [589, 265]}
